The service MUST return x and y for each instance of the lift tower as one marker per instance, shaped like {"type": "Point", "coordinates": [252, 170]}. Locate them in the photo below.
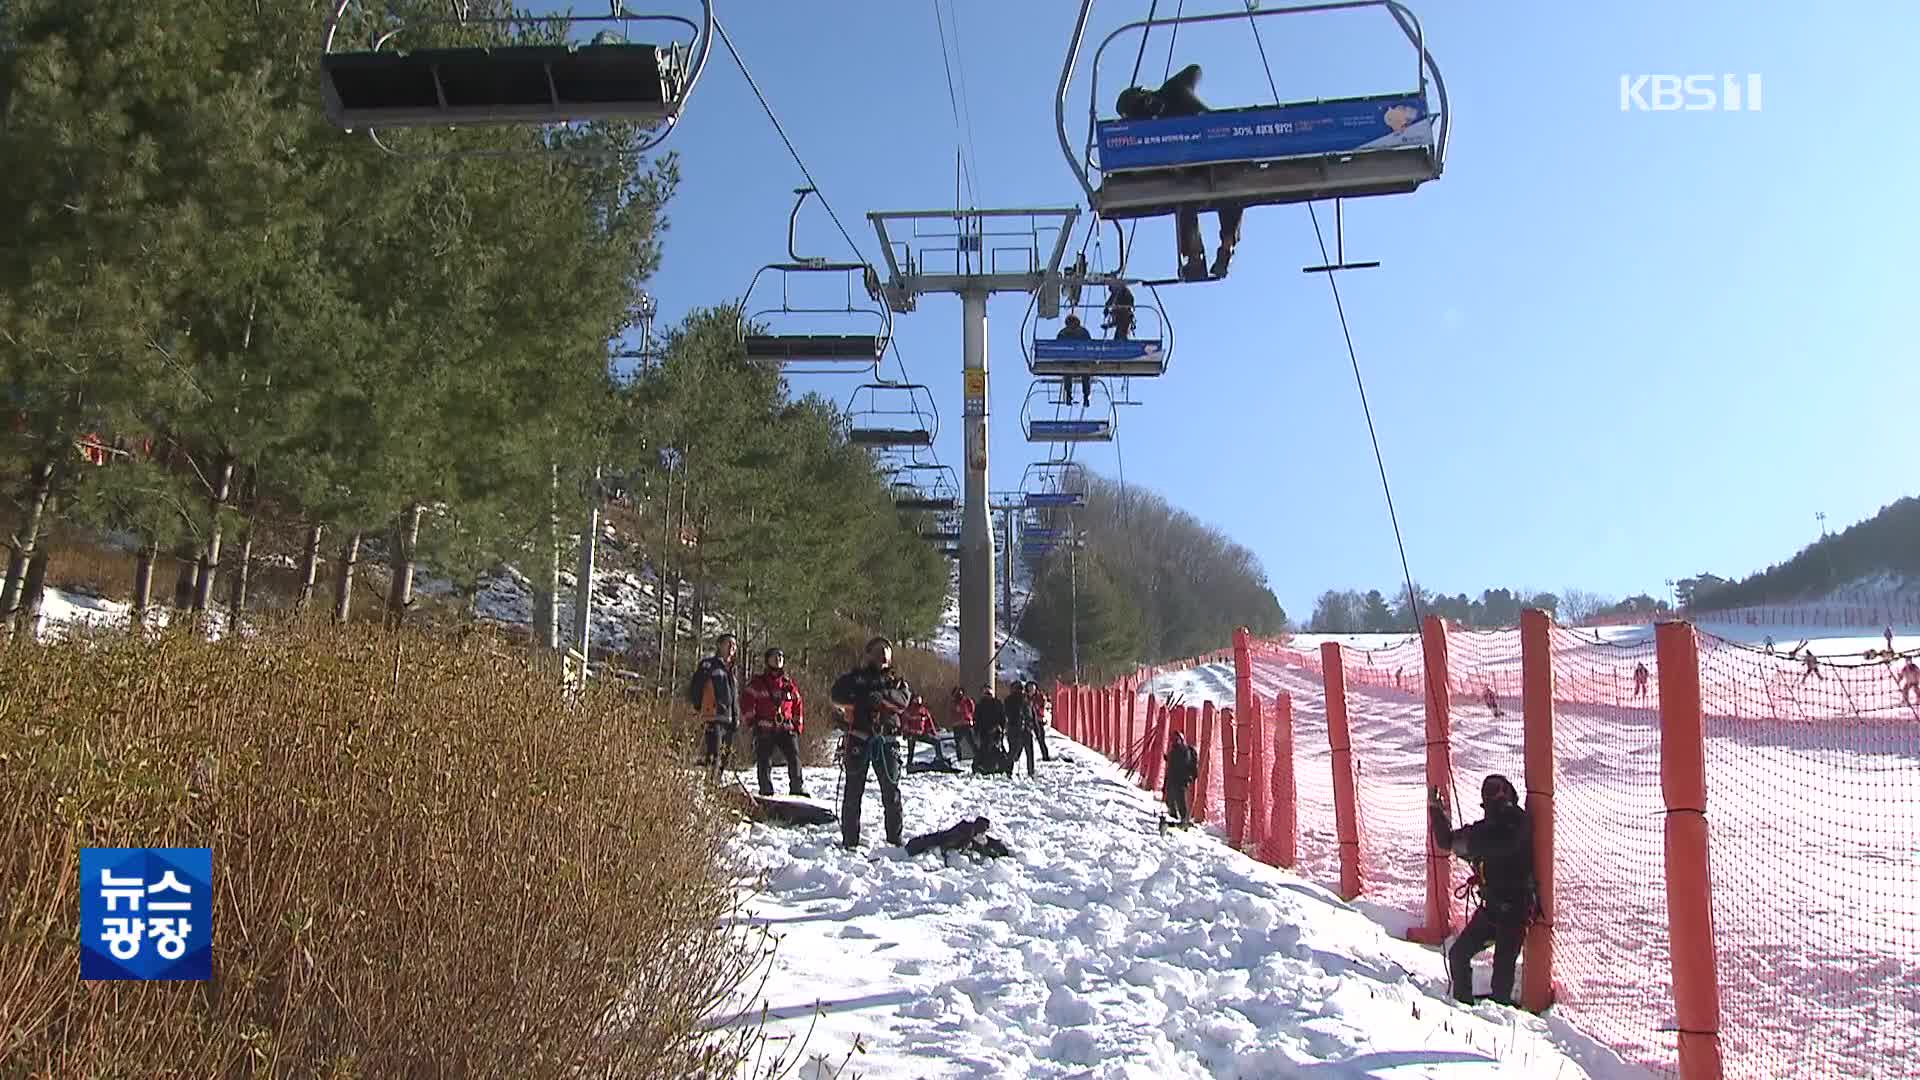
{"type": "Point", "coordinates": [974, 254]}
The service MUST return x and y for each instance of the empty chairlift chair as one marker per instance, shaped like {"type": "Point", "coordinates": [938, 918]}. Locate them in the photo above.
{"type": "Point", "coordinates": [1260, 155]}
{"type": "Point", "coordinates": [892, 414]}
{"type": "Point", "coordinates": [926, 487]}
{"type": "Point", "coordinates": [1054, 485]}
{"type": "Point", "coordinates": [805, 336]}
{"type": "Point", "coordinates": [1069, 424]}
{"type": "Point", "coordinates": [494, 77]}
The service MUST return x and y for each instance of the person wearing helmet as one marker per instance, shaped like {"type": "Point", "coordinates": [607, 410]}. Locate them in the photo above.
{"type": "Point", "coordinates": [775, 714]}
{"type": "Point", "coordinates": [960, 719]}
{"type": "Point", "coordinates": [1183, 768]}
{"type": "Point", "coordinates": [917, 724]}
{"type": "Point", "coordinates": [990, 733]}
{"type": "Point", "coordinates": [1019, 726]}
{"type": "Point", "coordinates": [714, 693]}
{"type": "Point", "coordinates": [871, 699]}
{"type": "Point", "coordinates": [1499, 848]}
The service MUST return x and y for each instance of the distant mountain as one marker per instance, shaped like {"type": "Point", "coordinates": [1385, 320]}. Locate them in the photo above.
{"type": "Point", "coordinates": [1875, 560]}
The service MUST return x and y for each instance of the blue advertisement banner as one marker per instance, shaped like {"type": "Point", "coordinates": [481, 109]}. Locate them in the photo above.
{"type": "Point", "coordinates": [1050, 499]}
{"type": "Point", "coordinates": [1083, 349]}
{"type": "Point", "coordinates": [1305, 130]}
{"type": "Point", "coordinates": [146, 913]}
{"type": "Point", "coordinates": [1060, 428]}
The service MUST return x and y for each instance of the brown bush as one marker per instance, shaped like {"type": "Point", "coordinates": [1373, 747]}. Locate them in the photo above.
{"type": "Point", "coordinates": [427, 861]}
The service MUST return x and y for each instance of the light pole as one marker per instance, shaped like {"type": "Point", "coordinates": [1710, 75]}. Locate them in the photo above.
{"type": "Point", "coordinates": [1821, 517]}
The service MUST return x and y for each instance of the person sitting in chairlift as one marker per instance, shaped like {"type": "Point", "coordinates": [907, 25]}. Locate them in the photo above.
{"type": "Point", "coordinates": [1177, 97]}
{"type": "Point", "coordinates": [1073, 330]}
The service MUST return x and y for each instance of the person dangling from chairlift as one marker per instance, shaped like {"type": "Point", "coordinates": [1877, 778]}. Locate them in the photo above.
{"type": "Point", "coordinates": [1179, 96]}
{"type": "Point", "coordinates": [1074, 330]}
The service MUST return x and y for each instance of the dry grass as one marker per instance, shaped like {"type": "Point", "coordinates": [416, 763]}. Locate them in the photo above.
{"type": "Point", "coordinates": [427, 862]}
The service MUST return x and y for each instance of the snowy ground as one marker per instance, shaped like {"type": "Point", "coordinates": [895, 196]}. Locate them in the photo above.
{"type": "Point", "coordinates": [1103, 949]}
{"type": "Point", "coordinates": [1017, 658]}
{"type": "Point", "coordinates": [1815, 855]}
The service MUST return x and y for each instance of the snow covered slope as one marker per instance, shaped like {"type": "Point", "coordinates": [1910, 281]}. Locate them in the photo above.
{"type": "Point", "coordinates": [1017, 658]}
{"type": "Point", "coordinates": [1102, 949]}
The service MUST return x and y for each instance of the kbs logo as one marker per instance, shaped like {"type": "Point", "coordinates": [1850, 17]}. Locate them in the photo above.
{"type": "Point", "coordinates": [1689, 93]}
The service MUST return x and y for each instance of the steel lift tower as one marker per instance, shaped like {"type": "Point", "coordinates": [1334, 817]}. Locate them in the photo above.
{"type": "Point", "coordinates": [974, 254]}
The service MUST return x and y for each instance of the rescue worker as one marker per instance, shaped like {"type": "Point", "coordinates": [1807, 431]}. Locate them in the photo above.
{"type": "Point", "coordinates": [871, 699]}
{"type": "Point", "coordinates": [1019, 727]}
{"type": "Point", "coordinates": [714, 693]}
{"type": "Point", "coordinates": [1178, 96]}
{"type": "Point", "coordinates": [775, 715]}
{"type": "Point", "coordinates": [960, 719]}
{"type": "Point", "coordinates": [917, 724]}
{"type": "Point", "coordinates": [990, 733]}
{"type": "Point", "coordinates": [1039, 702]}
{"type": "Point", "coordinates": [1183, 767]}
{"type": "Point", "coordinates": [1499, 848]}
{"type": "Point", "coordinates": [1119, 311]}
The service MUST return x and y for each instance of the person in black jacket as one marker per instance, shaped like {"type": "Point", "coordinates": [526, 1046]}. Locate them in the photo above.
{"type": "Point", "coordinates": [1019, 727]}
{"type": "Point", "coordinates": [963, 836]}
{"type": "Point", "coordinates": [1183, 767]}
{"type": "Point", "coordinates": [1179, 96]}
{"type": "Point", "coordinates": [1040, 724]}
{"type": "Point", "coordinates": [871, 699]}
{"type": "Point", "coordinates": [1499, 847]}
{"type": "Point", "coordinates": [990, 734]}
{"type": "Point", "coordinates": [714, 693]}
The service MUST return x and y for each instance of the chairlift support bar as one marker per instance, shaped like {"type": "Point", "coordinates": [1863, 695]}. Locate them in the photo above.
{"type": "Point", "coordinates": [1339, 247]}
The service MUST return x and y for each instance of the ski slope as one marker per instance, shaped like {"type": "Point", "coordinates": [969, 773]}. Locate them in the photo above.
{"type": "Point", "coordinates": [1018, 660]}
{"type": "Point", "coordinates": [1102, 949]}
{"type": "Point", "coordinates": [1816, 867]}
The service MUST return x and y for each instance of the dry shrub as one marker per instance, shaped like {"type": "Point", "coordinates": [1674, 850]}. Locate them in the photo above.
{"type": "Point", "coordinates": [427, 861]}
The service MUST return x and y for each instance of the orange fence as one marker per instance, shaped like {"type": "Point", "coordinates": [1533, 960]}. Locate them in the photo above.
{"type": "Point", "coordinates": [1727, 842]}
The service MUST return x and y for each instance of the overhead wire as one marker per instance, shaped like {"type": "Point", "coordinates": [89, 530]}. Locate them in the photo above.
{"type": "Point", "coordinates": [966, 96]}
{"type": "Point", "coordinates": [893, 343]}
{"type": "Point", "coordinates": [953, 104]}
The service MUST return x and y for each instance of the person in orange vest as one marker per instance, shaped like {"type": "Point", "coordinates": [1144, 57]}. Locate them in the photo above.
{"type": "Point", "coordinates": [776, 715]}
{"type": "Point", "coordinates": [960, 719]}
{"type": "Point", "coordinates": [714, 693]}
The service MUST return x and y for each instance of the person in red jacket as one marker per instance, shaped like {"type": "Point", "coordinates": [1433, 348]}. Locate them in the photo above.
{"type": "Point", "coordinates": [775, 715]}
{"type": "Point", "coordinates": [917, 725]}
{"type": "Point", "coordinates": [1040, 703]}
{"type": "Point", "coordinates": [960, 719]}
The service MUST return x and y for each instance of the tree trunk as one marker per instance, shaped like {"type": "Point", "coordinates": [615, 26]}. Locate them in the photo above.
{"type": "Point", "coordinates": [343, 578]}
{"type": "Point", "coordinates": [310, 566]}
{"type": "Point", "coordinates": [143, 580]}
{"type": "Point", "coordinates": [242, 575]}
{"type": "Point", "coordinates": [26, 542]}
{"type": "Point", "coordinates": [406, 540]}
{"type": "Point", "coordinates": [34, 590]}
{"type": "Point", "coordinates": [210, 558]}
{"type": "Point", "coordinates": [187, 581]}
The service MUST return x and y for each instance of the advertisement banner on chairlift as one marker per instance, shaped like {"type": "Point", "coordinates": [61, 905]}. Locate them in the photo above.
{"type": "Point", "coordinates": [1071, 349]}
{"type": "Point", "coordinates": [1264, 134]}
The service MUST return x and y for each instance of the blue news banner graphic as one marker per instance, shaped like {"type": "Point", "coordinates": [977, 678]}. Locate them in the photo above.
{"type": "Point", "coordinates": [146, 913]}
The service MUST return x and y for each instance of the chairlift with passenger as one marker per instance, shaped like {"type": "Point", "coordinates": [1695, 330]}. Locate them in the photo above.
{"type": "Point", "coordinates": [1138, 341]}
{"type": "Point", "coordinates": [809, 340]}
{"type": "Point", "coordinates": [1265, 155]}
{"type": "Point", "coordinates": [1091, 423]}
{"type": "Point", "coordinates": [486, 76]}
{"type": "Point", "coordinates": [887, 414]}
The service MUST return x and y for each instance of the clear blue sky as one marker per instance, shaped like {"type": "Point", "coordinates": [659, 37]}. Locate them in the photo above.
{"type": "Point", "coordinates": [1605, 349]}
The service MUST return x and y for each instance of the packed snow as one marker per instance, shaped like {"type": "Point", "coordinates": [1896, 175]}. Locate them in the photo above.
{"type": "Point", "coordinates": [1018, 660]}
{"type": "Point", "coordinates": [1103, 949]}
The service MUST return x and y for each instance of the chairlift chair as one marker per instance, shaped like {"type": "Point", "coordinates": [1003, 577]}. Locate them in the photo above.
{"type": "Point", "coordinates": [1144, 352]}
{"type": "Point", "coordinates": [1094, 423]}
{"type": "Point", "coordinates": [1265, 155]}
{"type": "Point", "coordinates": [496, 82]}
{"type": "Point", "coordinates": [927, 487]}
{"type": "Point", "coordinates": [892, 414]}
{"type": "Point", "coordinates": [1054, 485]}
{"type": "Point", "coordinates": [807, 340]}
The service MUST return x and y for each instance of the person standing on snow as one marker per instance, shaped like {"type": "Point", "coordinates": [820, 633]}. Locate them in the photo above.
{"type": "Point", "coordinates": [1910, 683]}
{"type": "Point", "coordinates": [917, 723]}
{"type": "Point", "coordinates": [1640, 674]}
{"type": "Point", "coordinates": [775, 715]}
{"type": "Point", "coordinates": [960, 719]}
{"type": "Point", "coordinates": [1183, 768]}
{"type": "Point", "coordinates": [990, 733]}
{"type": "Point", "coordinates": [1019, 727]}
{"type": "Point", "coordinates": [714, 693]}
{"type": "Point", "coordinates": [871, 699]}
{"type": "Point", "coordinates": [1499, 847]}
{"type": "Point", "coordinates": [1038, 701]}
